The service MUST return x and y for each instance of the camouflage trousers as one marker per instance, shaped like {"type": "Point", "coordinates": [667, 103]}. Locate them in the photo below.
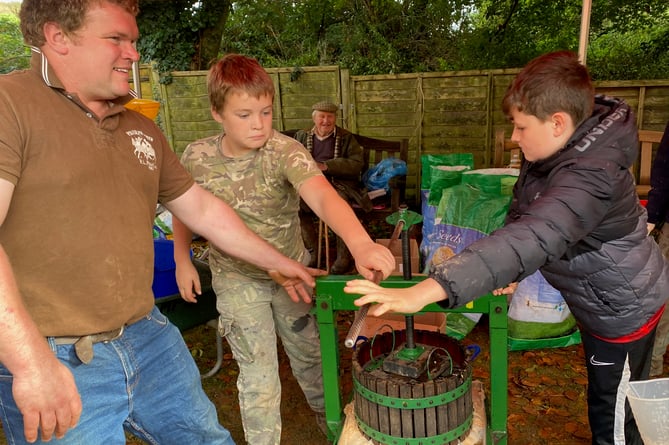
{"type": "Point", "coordinates": [252, 313]}
{"type": "Point", "coordinates": [662, 330]}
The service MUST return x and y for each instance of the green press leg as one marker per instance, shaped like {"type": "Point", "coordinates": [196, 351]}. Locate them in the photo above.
{"type": "Point", "coordinates": [330, 363]}
{"type": "Point", "coordinates": [498, 372]}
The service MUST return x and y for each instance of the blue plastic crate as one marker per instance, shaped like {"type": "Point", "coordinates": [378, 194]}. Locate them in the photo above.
{"type": "Point", "coordinates": [164, 278]}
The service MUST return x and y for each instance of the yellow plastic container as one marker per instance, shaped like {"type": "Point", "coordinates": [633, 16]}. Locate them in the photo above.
{"type": "Point", "coordinates": [147, 107]}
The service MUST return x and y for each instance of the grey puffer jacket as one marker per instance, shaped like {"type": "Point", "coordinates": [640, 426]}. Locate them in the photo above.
{"type": "Point", "coordinates": [576, 217]}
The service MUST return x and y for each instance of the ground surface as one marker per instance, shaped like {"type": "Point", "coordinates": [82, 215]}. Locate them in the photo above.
{"type": "Point", "coordinates": [546, 395]}
{"type": "Point", "coordinates": [546, 399]}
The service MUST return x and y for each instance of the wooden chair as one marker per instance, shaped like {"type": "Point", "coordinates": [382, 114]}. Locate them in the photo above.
{"type": "Point", "coordinates": [502, 146]}
{"type": "Point", "coordinates": [648, 142]}
{"type": "Point", "coordinates": [374, 150]}
{"type": "Point", "coordinates": [290, 133]}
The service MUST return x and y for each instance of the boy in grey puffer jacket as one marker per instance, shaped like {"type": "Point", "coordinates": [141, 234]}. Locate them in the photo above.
{"type": "Point", "coordinates": [575, 216]}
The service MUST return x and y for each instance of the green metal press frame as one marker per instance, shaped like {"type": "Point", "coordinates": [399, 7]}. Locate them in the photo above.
{"type": "Point", "coordinates": [330, 297]}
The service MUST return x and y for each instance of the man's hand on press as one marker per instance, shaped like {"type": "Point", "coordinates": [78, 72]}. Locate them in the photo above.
{"type": "Point", "coordinates": [650, 227]}
{"type": "Point", "coordinates": [297, 280]}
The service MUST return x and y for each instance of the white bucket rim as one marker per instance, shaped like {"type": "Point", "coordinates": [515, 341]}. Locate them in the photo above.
{"type": "Point", "coordinates": [633, 394]}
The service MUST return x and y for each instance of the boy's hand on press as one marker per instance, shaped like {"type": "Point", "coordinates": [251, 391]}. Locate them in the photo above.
{"type": "Point", "coordinates": [374, 257]}
{"type": "Point", "coordinates": [387, 300]}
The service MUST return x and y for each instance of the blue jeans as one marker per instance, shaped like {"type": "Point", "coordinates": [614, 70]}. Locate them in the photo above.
{"type": "Point", "coordinates": [144, 382]}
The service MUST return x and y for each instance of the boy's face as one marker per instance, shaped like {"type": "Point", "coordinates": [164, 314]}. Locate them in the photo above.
{"type": "Point", "coordinates": [540, 139]}
{"type": "Point", "coordinates": [246, 120]}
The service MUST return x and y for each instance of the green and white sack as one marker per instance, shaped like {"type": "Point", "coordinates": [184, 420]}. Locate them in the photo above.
{"type": "Point", "coordinates": [539, 317]}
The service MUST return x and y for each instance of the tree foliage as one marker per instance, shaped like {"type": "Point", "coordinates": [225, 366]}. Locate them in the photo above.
{"type": "Point", "coordinates": [628, 39]}
{"type": "Point", "coordinates": [13, 54]}
{"type": "Point", "coordinates": [637, 48]}
{"type": "Point", "coordinates": [366, 36]}
{"type": "Point", "coordinates": [396, 36]}
{"type": "Point", "coordinates": [181, 34]}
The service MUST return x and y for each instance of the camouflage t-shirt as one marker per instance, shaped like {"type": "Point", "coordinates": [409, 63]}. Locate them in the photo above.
{"type": "Point", "coordinates": [262, 186]}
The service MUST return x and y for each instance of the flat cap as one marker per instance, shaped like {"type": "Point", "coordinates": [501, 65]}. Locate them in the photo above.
{"type": "Point", "coordinates": [326, 106]}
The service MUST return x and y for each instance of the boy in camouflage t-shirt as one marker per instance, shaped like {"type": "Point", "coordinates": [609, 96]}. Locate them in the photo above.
{"type": "Point", "coordinates": [262, 174]}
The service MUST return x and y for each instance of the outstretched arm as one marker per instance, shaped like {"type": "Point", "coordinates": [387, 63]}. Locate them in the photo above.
{"type": "Point", "coordinates": [212, 218]}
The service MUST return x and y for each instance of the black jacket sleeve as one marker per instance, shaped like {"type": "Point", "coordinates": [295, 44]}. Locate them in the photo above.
{"type": "Point", "coordinates": [658, 196]}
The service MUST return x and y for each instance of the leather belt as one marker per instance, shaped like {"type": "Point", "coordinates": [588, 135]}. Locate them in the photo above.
{"type": "Point", "coordinates": [83, 346]}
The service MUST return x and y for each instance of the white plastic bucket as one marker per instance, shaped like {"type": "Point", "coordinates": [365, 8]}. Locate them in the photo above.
{"type": "Point", "coordinates": [649, 400]}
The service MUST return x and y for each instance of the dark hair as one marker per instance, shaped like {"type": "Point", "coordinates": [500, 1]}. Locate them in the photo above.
{"type": "Point", "coordinates": [234, 72]}
{"type": "Point", "coordinates": [551, 83]}
{"type": "Point", "coordinates": [69, 14]}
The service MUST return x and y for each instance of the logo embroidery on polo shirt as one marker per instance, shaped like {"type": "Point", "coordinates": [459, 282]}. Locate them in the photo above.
{"type": "Point", "coordinates": [143, 148]}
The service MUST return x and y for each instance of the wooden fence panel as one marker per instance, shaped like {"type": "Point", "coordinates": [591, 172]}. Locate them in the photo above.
{"type": "Point", "coordinates": [185, 114]}
{"type": "Point", "coordinates": [438, 112]}
{"type": "Point", "coordinates": [298, 91]}
{"type": "Point", "coordinates": [388, 107]}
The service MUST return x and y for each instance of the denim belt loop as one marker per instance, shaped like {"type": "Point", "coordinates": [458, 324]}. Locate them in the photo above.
{"type": "Point", "coordinates": [83, 346]}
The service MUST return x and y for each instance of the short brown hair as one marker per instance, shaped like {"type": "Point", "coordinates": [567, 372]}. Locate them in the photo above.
{"type": "Point", "coordinates": [551, 83]}
{"type": "Point", "coordinates": [234, 72]}
{"type": "Point", "coordinates": [69, 14]}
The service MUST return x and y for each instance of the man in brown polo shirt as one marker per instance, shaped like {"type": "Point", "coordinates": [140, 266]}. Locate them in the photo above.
{"type": "Point", "coordinates": [85, 354]}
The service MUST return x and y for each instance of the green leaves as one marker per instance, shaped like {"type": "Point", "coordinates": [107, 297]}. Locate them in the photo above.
{"type": "Point", "coordinates": [181, 35]}
{"type": "Point", "coordinates": [13, 54]}
{"type": "Point", "coordinates": [628, 38]}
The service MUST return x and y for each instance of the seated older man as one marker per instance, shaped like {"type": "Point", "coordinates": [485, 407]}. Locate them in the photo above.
{"type": "Point", "coordinates": [339, 156]}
